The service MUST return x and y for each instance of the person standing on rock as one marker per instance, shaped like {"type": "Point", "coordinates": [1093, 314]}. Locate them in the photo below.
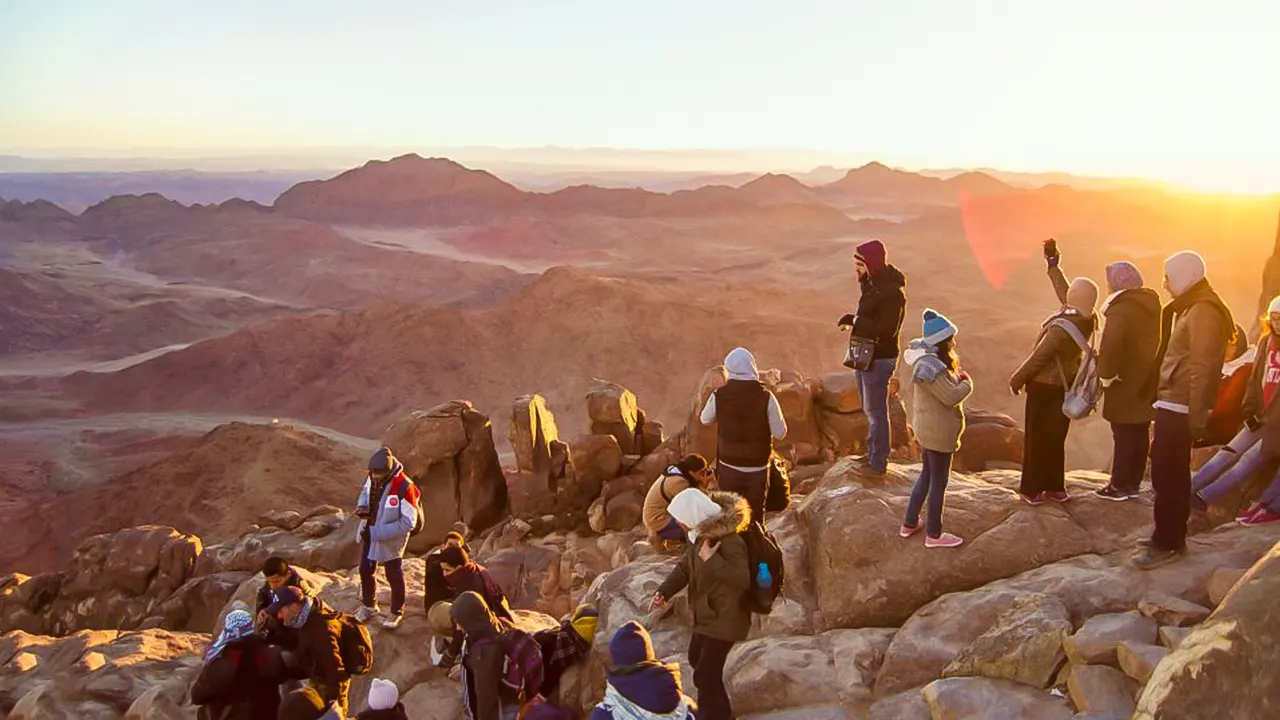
{"type": "Point", "coordinates": [639, 686]}
{"type": "Point", "coordinates": [750, 419]}
{"type": "Point", "coordinates": [1196, 328]}
{"type": "Point", "coordinates": [501, 664]}
{"type": "Point", "coordinates": [1046, 375]}
{"type": "Point", "coordinates": [1130, 341]}
{"type": "Point", "coordinates": [465, 575]}
{"type": "Point", "coordinates": [692, 471]}
{"type": "Point", "coordinates": [319, 654]}
{"type": "Point", "coordinates": [241, 675]}
{"type": "Point", "coordinates": [881, 311]}
{"type": "Point", "coordinates": [716, 570]}
{"type": "Point", "coordinates": [388, 505]}
{"type": "Point", "coordinates": [278, 574]}
{"type": "Point", "coordinates": [940, 389]}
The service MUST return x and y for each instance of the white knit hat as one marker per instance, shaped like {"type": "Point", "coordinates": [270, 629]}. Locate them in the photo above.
{"type": "Point", "coordinates": [693, 507]}
{"type": "Point", "coordinates": [1184, 269]}
{"type": "Point", "coordinates": [383, 694]}
{"type": "Point", "coordinates": [1274, 307]}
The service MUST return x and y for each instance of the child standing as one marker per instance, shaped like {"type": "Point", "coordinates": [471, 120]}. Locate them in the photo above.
{"type": "Point", "coordinates": [940, 389]}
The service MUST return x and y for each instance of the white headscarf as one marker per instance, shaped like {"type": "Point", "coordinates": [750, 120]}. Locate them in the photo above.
{"type": "Point", "coordinates": [691, 508]}
{"type": "Point", "coordinates": [741, 365]}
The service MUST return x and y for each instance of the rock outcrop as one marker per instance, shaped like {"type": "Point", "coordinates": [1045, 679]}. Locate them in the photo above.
{"type": "Point", "coordinates": [449, 452]}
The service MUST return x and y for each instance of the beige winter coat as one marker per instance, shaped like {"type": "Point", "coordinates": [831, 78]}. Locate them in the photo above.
{"type": "Point", "coordinates": [937, 411]}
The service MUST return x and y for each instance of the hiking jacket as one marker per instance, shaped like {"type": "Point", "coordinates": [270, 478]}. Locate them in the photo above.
{"type": "Point", "coordinates": [319, 654]}
{"type": "Point", "coordinates": [1192, 364]}
{"type": "Point", "coordinates": [1253, 404]}
{"type": "Point", "coordinates": [241, 683]}
{"type": "Point", "coordinates": [1055, 357]}
{"type": "Point", "coordinates": [1126, 354]}
{"type": "Point", "coordinates": [937, 412]}
{"type": "Point", "coordinates": [474, 577]}
{"type": "Point", "coordinates": [277, 633]}
{"type": "Point", "coordinates": [391, 518]}
{"type": "Point", "coordinates": [666, 487]}
{"type": "Point", "coordinates": [716, 586]}
{"type": "Point", "coordinates": [881, 308]}
{"type": "Point", "coordinates": [638, 695]}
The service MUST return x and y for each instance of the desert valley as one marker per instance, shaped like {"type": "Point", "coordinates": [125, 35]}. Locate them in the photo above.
{"type": "Point", "coordinates": [196, 385]}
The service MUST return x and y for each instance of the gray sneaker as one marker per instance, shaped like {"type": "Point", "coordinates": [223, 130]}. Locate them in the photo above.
{"type": "Point", "coordinates": [393, 621]}
{"type": "Point", "coordinates": [365, 614]}
{"type": "Point", "coordinates": [1153, 557]}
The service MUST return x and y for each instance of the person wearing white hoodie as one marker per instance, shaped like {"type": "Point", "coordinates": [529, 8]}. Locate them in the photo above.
{"type": "Point", "coordinates": [1196, 328]}
{"type": "Point", "coordinates": [939, 389]}
{"type": "Point", "coordinates": [750, 419]}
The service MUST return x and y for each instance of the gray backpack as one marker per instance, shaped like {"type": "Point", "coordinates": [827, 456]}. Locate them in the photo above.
{"type": "Point", "coordinates": [1084, 393]}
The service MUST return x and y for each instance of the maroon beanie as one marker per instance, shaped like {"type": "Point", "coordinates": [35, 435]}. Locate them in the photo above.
{"type": "Point", "coordinates": [873, 255]}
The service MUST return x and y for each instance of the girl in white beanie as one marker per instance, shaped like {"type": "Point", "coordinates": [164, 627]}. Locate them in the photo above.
{"type": "Point", "coordinates": [384, 702]}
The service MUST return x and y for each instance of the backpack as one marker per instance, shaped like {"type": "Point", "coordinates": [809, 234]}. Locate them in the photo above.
{"type": "Point", "coordinates": [1085, 391]}
{"type": "Point", "coordinates": [400, 486]}
{"type": "Point", "coordinates": [355, 646]}
{"type": "Point", "coordinates": [763, 547]}
{"type": "Point", "coordinates": [522, 659]}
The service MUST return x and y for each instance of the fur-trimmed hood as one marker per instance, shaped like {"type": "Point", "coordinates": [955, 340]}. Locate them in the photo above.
{"type": "Point", "coordinates": [734, 517]}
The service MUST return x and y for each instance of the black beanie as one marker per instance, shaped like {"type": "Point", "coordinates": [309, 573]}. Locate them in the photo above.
{"type": "Point", "coordinates": [380, 461]}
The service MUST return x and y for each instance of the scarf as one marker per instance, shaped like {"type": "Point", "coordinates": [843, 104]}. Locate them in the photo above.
{"type": "Point", "coordinates": [624, 709]}
{"type": "Point", "coordinates": [301, 618]}
{"type": "Point", "coordinates": [238, 625]}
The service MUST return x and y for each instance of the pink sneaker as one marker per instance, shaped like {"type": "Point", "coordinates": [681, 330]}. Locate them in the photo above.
{"type": "Point", "coordinates": [945, 540]}
{"type": "Point", "coordinates": [1262, 517]}
{"type": "Point", "coordinates": [1037, 499]}
{"type": "Point", "coordinates": [1244, 517]}
{"type": "Point", "coordinates": [908, 530]}
{"type": "Point", "coordinates": [1058, 496]}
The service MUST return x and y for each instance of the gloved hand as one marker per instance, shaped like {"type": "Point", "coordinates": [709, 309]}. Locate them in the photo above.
{"type": "Point", "coordinates": [847, 320]}
{"type": "Point", "coordinates": [1051, 254]}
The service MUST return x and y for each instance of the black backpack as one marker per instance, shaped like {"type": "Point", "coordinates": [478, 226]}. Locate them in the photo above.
{"type": "Point", "coordinates": [355, 646]}
{"type": "Point", "coordinates": [763, 547]}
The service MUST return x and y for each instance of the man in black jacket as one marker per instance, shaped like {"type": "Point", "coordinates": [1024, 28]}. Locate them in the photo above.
{"type": "Point", "coordinates": [319, 651]}
{"type": "Point", "coordinates": [278, 574]}
{"type": "Point", "coordinates": [881, 309]}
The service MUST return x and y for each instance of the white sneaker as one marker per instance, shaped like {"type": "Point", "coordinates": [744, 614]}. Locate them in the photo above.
{"type": "Point", "coordinates": [393, 621]}
{"type": "Point", "coordinates": [365, 614]}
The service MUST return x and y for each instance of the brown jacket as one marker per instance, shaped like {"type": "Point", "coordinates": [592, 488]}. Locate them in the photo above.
{"type": "Point", "coordinates": [319, 656]}
{"type": "Point", "coordinates": [660, 494]}
{"type": "Point", "coordinates": [1253, 405]}
{"type": "Point", "coordinates": [716, 586]}
{"type": "Point", "coordinates": [1130, 342]}
{"type": "Point", "coordinates": [1192, 365]}
{"type": "Point", "coordinates": [1056, 357]}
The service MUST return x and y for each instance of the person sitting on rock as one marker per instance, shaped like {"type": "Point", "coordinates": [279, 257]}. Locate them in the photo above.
{"type": "Point", "coordinates": [566, 645]}
{"type": "Point", "coordinates": [465, 575]}
{"type": "Point", "coordinates": [1257, 448]}
{"type": "Point", "coordinates": [241, 675]}
{"type": "Point", "coordinates": [749, 420]}
{"type": "Point", "coordinates": [692, 471]}
{"type": "Point", "coordinates": [716, 570]}
{"type": "Point", "coordinates": [278, 574]}
{"type": "Point", "coordinates": [941, 388]}
{"type": "Point", "coordinates": [388, 504]}
{"type": "Point", "coordinates": [319, 655]}
{"type": "Point", "coordinates": [501, 666]}
{"type": "Point", "coordinates": [435, 588]}
{"type": "Point", "coordinates": [1046, 375]}
{"type": "Point", "coordinates": [384, 702]}
{"type": "Point", "coordinates": [639, 686]}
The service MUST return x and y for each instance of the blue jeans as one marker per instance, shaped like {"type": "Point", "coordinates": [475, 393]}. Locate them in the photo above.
{"type": "Point", "coordinates": [873, 385]}
{"type": "Point", "coordinates": [1229, 467]}
{"type": "Point", "coordinates": [931, 485]}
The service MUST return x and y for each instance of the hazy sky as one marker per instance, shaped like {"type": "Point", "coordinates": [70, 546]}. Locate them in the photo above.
{"type": "Point", "coordinates": [1177, 89]}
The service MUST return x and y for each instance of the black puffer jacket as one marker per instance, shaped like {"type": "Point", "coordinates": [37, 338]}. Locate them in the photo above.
{"type": "Point", "coordinates": [881, 310]}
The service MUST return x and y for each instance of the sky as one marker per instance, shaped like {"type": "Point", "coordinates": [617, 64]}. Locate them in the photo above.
{"type": "Point", "coordinates": [1180, 90]}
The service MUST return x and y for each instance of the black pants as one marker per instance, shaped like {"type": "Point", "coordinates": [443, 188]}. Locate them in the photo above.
{"type": "Point", "coordinates": [751, 485]}
{"type": "Point", "coordinates": [1044, 454]}
{"type": "Point", "coordinates": [369, 581]}
{"type": "Point", "coordinates": [707, 655]}
{"type": "Point", "coordinates": [1129, 461]}
{"type": "Point", "coordinates": [1171, 479]}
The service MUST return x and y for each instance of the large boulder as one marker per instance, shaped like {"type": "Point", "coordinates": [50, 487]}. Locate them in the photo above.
{"type": "Point", "coordinates": [991, 441]}
{"type": "Point", "coordinates": [197, 604]}
{"type": "Point", "coordinates": [795, 394]}
{"type": "Point", "coordinates": [843, 433]}
{"type": "Point", "coordinates": [1227, 667]}
{"type": "Point", "coordinates": [449, 452]}
{"type": "Point", "coordinates": [1101, 690]}
{"type": "Point", "coordinates": [838, 392]}
{"type": "Point", "coordinates": [986, 699]}
{"type": "Point", "coordinates": [596, 460]}
{"type": "Point", "coordinates": [864, 575]}
{"type": "Point", "coordinates": [1099, 638]}
{"type": "Point", "coordinates": [98, 674]}
{"type": "Point", "coordinates": [781, 673]}
{"type": "Point", "coordinates": [334, 549]}
{"type": "Point", "coordinates": [613, 410]}
{"type": "Point", "coordinates": [701, 438]}
{"type": "Point", "coordinates": [1024, 644]}
{"type": "Point", "coordinates": [530, 577]}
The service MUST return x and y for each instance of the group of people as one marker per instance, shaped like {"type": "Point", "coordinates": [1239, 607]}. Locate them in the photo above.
{"type": "Point", "coordinates": [1155, 366]}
